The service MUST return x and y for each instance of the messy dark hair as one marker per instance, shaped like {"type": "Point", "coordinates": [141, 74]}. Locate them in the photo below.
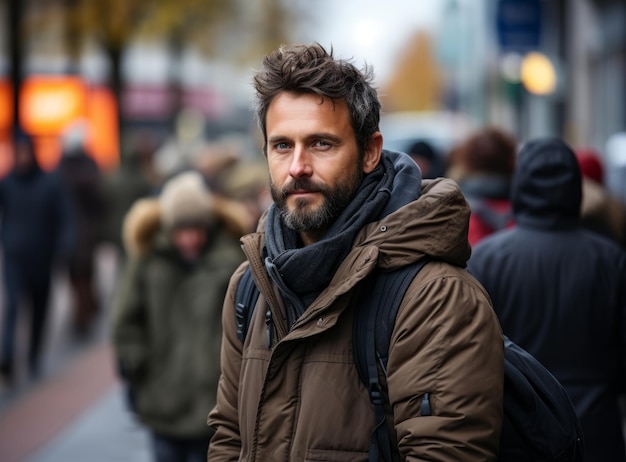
{"type": "Point", "coordinates": [311, 69]}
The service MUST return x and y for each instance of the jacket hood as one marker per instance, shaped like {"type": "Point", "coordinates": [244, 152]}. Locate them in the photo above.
{"type": "Point", "coordinates": [435, 226]}
{"type": "Point", "coordinates": [546, 190]}
{"type": "Point", "coordinates": [422, 218]}
{"type": "Point", "coordinates": [143, 222]}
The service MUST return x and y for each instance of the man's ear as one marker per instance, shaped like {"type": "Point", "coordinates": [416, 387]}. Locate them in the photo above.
{"type": "Point", "coordinates": [373, 152]}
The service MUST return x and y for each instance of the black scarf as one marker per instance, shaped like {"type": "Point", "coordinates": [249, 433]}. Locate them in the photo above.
{"type": "Point", "coordinates": [302, 273]}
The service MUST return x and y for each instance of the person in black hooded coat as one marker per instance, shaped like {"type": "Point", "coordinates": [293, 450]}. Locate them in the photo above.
{"type": "Point", "coordinates": [36, 230]}
{"type": "Point", "coordinates": [560, 291]}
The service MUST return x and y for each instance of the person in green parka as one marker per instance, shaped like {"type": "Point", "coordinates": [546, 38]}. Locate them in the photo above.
{"type": "Point", "coordinates": [183, 246]}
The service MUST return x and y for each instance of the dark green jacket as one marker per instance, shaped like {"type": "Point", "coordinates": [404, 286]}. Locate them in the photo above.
{"type": "Point", "coordinates": [167, 333]}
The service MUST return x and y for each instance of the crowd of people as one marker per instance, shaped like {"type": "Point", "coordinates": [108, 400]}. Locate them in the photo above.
{"type": "Point", "coordinates": [521, 239]}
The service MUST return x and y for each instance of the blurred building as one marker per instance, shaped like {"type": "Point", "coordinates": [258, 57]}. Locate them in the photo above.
{"type": "Point", "coordinates": [538, 67]}
{"type": "Point", "coordinates": [117, 77]}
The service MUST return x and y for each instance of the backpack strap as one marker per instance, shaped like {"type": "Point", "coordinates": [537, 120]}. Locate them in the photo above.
{"type": "Point", "coordinates": [374, 321]}
{"type": "Point", "coordinates": [245, 301]}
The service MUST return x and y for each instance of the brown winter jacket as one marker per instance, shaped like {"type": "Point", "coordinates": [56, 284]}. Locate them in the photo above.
{"type": "Point", "coordinates": [302, 400]}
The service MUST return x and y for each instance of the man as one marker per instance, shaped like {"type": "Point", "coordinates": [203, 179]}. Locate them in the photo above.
{"type": "Point", "coordinates": [38, 231]}
{"type": "Point", "coordinates": [344, 208]}
{"type": "Point", "coordinates": [183, 247]}
{"type": "Point", "coordinates": [560, 291]}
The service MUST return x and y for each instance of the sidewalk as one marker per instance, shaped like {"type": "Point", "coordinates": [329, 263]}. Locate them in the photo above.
{"type": "Point", "coordinates": [76, 415]}
{"type": "Point", "coordinates": [75, 412]}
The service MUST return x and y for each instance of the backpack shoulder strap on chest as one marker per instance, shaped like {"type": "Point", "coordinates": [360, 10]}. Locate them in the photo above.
{"type": "Point", "coordinates": [373, 324]}
{"type": "Point", "coordinates": [245, 300]}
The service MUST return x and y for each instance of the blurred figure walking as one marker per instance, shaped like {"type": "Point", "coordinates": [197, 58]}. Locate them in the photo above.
{"type": "Point", "coordinates": [182, 246]}
{"type": "Point", "coordinates": [83, 180]}
{"type": "Point", "coordinates": [37, 231]}
{"type": "Point", "coordinates": [483, 166]}
{"type": "Point", "coordinates": [559, 291]}
{"type": "Point", "coordinates": [429, 161]}
{"type": "Point", "coordinates": [600, 211]}
{"type": "Point", "coordinates": [131, 181]}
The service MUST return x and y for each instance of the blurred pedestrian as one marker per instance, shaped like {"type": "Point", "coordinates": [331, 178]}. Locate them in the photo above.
{"type": "Point", "coordinates": [483, 165]}
{"type": "Point", "coordinates": [247, 182]}
{"type": "Point", "coordinates": [37, 232]}
{"type": "Point", "coordinates": [131, 181]}
{"type": "Point", "coordinates": [601, 211]}
{"type": "Point", "coordinates": [559, 291]}
{"type": "Point", "coordinates": [182, 246]}
{"type": "Point", "coordinates": [183, 147]}
{"type": "Point", "coordinates": [84, 181]}
{"type": "Point", "coordinates": [427, 158]}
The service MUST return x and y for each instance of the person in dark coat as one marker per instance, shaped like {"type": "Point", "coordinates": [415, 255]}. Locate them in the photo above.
{"type": "Point", "coordinates": [428, 160]}
{"type": "Point", "coordinates": [83, 180]}
{"type": "Point", "coordinates": [559, 291]}
{"type": "Point", "coordinates": [131, 181]}
{"type": "Point", "coordinates": [37, 229]}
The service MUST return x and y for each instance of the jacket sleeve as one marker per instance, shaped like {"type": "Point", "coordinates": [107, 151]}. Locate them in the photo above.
{"type": "Point", "coordinates": [447, 342]}
{"type": "Point", "coordinates": [224, 417]}
{"type": "Point", "coordinates": [129, 322]}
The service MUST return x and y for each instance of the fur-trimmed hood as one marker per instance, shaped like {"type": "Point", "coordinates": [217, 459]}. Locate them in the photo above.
{"type": "Point", "coordinates": [143, 222]}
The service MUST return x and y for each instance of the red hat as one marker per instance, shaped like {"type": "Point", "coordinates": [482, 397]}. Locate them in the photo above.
{"type": "Point", "coordinates": [590, 164]}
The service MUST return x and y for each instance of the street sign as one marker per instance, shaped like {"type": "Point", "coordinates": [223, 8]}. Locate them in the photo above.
{"type": "Point", "coordinates": [518, 25]}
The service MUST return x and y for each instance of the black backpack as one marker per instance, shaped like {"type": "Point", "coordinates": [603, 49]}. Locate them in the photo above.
{"type": "Point", "coordinates": [539, 424]}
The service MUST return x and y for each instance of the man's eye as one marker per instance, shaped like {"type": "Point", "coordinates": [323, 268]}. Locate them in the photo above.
{"type": "Point", "coordinates": [321, 144]}
{"type": "Point", "coordinates": [281, 146]}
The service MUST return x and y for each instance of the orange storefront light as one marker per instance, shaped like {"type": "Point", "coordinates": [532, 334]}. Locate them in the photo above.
{"type": "Point", "coordinates": [103, 142]}
{"type": "Point", "coordinates": [49, 103]}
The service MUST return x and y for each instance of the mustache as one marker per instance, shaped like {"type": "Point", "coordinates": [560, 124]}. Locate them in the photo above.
{"type": "Point", "coordinates": [279, 195]}
{"type": "Point", "coordinates": [302, 184]}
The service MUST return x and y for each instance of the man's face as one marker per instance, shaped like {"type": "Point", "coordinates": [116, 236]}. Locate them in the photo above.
{"type": "Point", "coordinates": [314, 162]}
{"type": "Point", "coordinates": [189, 241]}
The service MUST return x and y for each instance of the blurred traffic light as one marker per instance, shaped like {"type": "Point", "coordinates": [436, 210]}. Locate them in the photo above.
{"type": "Point", "coordinates": [538, 74]}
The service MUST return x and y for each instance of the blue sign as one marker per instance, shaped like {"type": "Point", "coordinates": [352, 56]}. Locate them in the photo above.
{"type": "Point", "coordinates": [518, 24]}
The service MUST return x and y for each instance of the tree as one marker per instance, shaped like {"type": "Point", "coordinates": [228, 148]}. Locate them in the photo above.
{"type": "Point", "coordinates": [14, 22]}
{"type": "Point", "coordinates": [415, 85]}
{"type": "Point", "coordinates": [215, 27]}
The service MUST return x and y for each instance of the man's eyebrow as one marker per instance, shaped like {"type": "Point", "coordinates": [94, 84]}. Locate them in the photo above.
{"type": "Point", "coordinates": [276, 138]}
{"type": "Point", "coordinates": [326, 136]}
{"type": "Point", "coordinates": [312, 136]}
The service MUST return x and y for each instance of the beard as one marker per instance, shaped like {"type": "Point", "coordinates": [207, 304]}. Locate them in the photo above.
{"type": "Point", "coordinates": [304, 218]}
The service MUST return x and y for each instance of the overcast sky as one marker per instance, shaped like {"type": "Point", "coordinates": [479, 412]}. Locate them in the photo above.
{"type": "Point", "coordinates": [371, 31]}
